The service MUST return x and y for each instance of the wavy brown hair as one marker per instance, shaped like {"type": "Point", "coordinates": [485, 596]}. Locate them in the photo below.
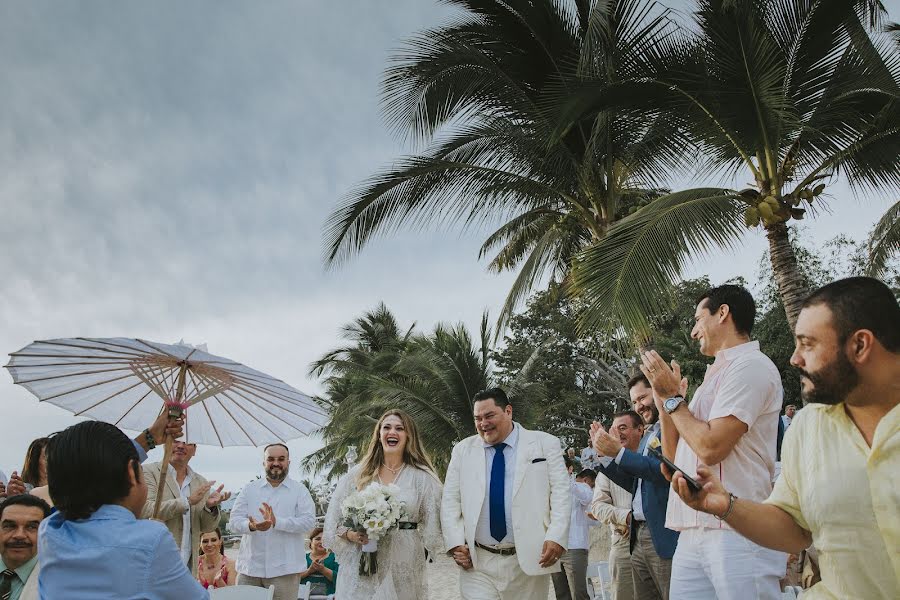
{"type": "Point", "coordinates": [218, 532]}
{"type": "Point", "coordinates": [31, 470]}
{"type": "Point", "coordinates": [413, 454]}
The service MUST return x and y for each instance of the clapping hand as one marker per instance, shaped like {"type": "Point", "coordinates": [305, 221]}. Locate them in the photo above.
{"type": "Point", "coordinates": [665, 379]}
{"type": "Point", "coordinates": [217, 497]}
{"type": "Point", "coordinates": [604, 443]}
{"type": "Point", "coordinates": [268, 521]}
{"type": "Point", "coordinates": [200, 493]}
{"type": "Point", "coordinates": [15, 486]}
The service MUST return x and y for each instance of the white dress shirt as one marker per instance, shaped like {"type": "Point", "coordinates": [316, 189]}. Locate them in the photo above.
{"type": "Point", "coordinates": [483, 530]}
{"type": "Point", "coordinates": [279, 550]}
{"type": "Point", "coordinates": [588, 458]}
{"type": "Point", "coordinates": [580, 523]}
{"type": "Point", "coordinates": [185, 542]}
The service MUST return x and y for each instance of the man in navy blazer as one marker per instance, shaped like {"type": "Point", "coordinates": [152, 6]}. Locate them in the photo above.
{"type": "Point", "coordinates": [652, 545]}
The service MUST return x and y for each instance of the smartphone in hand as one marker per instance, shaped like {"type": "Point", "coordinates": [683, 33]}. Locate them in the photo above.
{"type": "Point", "coordinates": [695, 487]}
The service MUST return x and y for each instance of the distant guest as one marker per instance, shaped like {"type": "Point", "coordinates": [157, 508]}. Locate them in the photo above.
{"type": "Point", "coordinates": [321, 566]}
{"type": "Point", "coordinates": [214, 569]}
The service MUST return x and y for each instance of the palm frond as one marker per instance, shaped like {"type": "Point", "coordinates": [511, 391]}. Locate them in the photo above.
{"type": "Point", "coordinates": [623, 276]}
{"type": "Point", "coordinates": [884, 243]}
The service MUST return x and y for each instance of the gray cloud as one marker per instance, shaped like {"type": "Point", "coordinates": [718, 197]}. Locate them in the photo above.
{"type": "Point", "coordinates": [166, 171]}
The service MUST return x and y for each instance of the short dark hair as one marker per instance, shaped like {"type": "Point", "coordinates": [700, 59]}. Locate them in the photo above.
{"type": "Point", "coordinates": [31, 470]}
{"type": "Point", "coordinates": [495, 393]}
{"type": "Point", "coordinates": [586, 473]}
{"type": "Point", "coordinates": [286, 449]}
{"type": "Point", "coordinates": [740, 304]}
{"type": "Point", "coordinates": [637, 378]}
{"type": "Point", "coordinates": [87, 467]}
{"type": "Point", "coordinates": [636, 419]}
{"type": "Point", "coordinates": [861, 303]}
{"type": "Point", "coordinates": [315, 531]}
{"type": "Point", "coordinates": [25, 500]}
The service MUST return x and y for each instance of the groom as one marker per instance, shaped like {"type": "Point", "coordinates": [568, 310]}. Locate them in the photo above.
{"type": "Point", "coordinates": [505, 510]}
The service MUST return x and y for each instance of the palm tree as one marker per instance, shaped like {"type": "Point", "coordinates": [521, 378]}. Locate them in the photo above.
{"type": "Point", "coordinates": [433, 377]}
{"type": "Point", "coordinates": [482, 93]}
{"type": "Point", "coordinates": [789, 93]}
{"type": "Point", "coordinates": [376, 344]}
{"type": "Point", "coordinates": [884, 242]}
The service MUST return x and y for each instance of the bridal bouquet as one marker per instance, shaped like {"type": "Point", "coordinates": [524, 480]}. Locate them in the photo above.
{"type": "Point", "coordinates": [374, 510]}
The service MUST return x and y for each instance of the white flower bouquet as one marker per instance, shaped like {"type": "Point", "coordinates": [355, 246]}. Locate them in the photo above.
{"type": "Point", "coordinates": [374, 511]}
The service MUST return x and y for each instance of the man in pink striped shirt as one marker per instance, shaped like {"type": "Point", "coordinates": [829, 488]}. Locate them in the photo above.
{"type": "Point", "coordinates": [730, 424]}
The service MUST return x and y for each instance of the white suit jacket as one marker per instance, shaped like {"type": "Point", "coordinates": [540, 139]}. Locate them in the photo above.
{"type": "Point", "coordinates": [540, 502]}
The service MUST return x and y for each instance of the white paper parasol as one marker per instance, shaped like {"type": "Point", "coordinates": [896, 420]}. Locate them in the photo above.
{"type": "Point", "coordinates": [128, 382]}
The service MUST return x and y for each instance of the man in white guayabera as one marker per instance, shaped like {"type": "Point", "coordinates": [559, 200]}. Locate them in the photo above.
{"type": "Point", "coordinates": [274, 515]}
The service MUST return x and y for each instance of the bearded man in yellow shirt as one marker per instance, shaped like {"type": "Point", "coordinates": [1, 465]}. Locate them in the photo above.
{"type": "Point", "coordinates": [840, 458]}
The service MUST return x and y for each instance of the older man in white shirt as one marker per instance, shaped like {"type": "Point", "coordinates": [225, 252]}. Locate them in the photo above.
{"type": "Point", "coordinates": [274, 515]}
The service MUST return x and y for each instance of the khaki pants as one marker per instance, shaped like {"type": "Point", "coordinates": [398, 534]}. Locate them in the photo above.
{"type": "Point", "coordinates": [287, 587]}
{"type": "Point", "coordinates": [620, 570]}
{"type": "Point", "coordinates": [501, 578]}
{"type": "Point", "coordinates": [570, 583]}
{"type": "Point", "coordinates": [650, 572]}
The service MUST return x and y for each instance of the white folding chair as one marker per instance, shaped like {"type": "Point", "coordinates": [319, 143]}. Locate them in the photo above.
{"type": "Point", "coordinates": [305, 590]}
{"type": "Point", "coordinates": [600, 570]}
{"type": "Point", "coordinates": [791, 592]}
{"type": "Point", "coordinates": [242, 592]}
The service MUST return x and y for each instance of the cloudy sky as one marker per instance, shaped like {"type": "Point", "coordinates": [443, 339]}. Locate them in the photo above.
{"type": "Point", "coordinates": [167, 168]}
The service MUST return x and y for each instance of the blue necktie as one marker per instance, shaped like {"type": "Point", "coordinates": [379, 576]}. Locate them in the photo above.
{"type": "Point", "coordinates": [497, 497]}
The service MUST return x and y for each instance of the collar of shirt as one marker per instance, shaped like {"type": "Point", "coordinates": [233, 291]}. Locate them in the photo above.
{"type": "Point", "coordinates": [287, 482]}
{"type": "Point", "coordinates": [511, 440]}
{"type": "Point", "coordinates": [23, 572]}
{"type": "Point", "coordinates": [735, 351]}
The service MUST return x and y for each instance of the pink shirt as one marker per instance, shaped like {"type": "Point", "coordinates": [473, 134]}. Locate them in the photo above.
{"type": "Point", "coordinates": [744, 383]}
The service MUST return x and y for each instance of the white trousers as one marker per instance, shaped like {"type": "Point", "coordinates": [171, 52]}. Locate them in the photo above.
{"type": "Point", "coordinates": [501, 578]}
{"type": "Point", "coordinates": [721, 564]}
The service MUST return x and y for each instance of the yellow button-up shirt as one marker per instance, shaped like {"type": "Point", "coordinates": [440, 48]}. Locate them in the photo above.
{"type": "Point", "coordinates": [848, 496]}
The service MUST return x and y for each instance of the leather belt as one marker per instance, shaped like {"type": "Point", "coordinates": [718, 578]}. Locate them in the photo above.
{"type": "Point", "coordinates": [407, 525]}
{"type": "Point", "coordinates": [500, 551]}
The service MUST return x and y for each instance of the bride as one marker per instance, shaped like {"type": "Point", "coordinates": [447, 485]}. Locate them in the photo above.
{"type": "Point", "coordinates": [395, 455]}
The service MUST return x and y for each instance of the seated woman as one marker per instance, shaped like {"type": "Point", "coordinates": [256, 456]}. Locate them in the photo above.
{"type": "Point", "coordinates": [321, 566]}
{"type": "Point", "coordinates": [214, 569]}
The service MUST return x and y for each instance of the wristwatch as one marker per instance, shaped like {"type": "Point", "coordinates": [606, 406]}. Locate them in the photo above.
{"type": "Point", "coordinates": [672, 404]}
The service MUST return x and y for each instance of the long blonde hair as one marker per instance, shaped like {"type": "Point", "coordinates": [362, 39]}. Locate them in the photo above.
{"type": "Point", "coordinates": [413, 453]}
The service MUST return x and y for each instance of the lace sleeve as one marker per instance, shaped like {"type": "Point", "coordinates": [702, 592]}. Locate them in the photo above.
{"type": "Point", "coordinates": [430, 514]}
{"type": "Point", "coordinates": [345, 552]}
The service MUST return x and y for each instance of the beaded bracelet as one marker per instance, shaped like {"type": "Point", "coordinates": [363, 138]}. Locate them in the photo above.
{"type": "Point", "coordinates": [151, 443]}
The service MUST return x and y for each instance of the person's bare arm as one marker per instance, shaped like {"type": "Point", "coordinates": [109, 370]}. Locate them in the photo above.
{"type": "Point", "coordinates": [712, 441]}
{"type": "Point", "coordinates": [763, 524]}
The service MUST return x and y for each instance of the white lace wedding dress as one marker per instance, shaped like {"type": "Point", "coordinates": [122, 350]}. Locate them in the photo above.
{"type": "Point", "coordinates": [401, 553]}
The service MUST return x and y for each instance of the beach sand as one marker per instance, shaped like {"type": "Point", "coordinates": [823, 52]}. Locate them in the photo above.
{"type": "Point", "coordinates": [443, 576]}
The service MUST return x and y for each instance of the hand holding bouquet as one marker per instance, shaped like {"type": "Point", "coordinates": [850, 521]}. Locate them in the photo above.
{"type": "Point", "coordinates": [374, 511]}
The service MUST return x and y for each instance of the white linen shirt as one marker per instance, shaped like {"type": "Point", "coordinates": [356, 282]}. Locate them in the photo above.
{"type": "Point", "coordinates": [483, 529]}
{"type": "Point", "coordinates": [744, 383]}
{"type": "Point", "coordinates": [580, 523]}
{"type": "Point", "coordinates": [184, 543]}
{"type": "Point", "coordinates": [280, 550]}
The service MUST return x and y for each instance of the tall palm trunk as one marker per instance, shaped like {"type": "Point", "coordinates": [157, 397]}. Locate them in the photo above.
{"type": "Point", "coordinates": [790, 281]}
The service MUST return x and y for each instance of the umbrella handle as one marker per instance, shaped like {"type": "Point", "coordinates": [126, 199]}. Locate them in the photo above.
{"type": "Point", "coordinates": [174, 413]}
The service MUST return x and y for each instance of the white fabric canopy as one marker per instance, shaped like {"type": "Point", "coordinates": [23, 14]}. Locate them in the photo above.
{"type": "Point", "coordinates": [126, 382]}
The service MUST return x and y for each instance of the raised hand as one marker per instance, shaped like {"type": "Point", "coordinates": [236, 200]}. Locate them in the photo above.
{"type": "Point", "coordinates": [15, 486]}
{"type": "Point", "coordinates": [200, 493]}
{"type": "Point", "coordinates": [267, 513]}
{"type": "Point", "coordinates": [665, 380]}
{"type": "Point", "coordinates": [712, 498]}
{"type": "Point", "coordinates": [358, 537]}
{"type": "Point", "coordinates": [217, 497]}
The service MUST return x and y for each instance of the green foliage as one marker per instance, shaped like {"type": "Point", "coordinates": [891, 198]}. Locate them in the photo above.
{"type": "Point", "coordinates": [583, 375]}
{"type": "Point", "coordinates": [432, 376]}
